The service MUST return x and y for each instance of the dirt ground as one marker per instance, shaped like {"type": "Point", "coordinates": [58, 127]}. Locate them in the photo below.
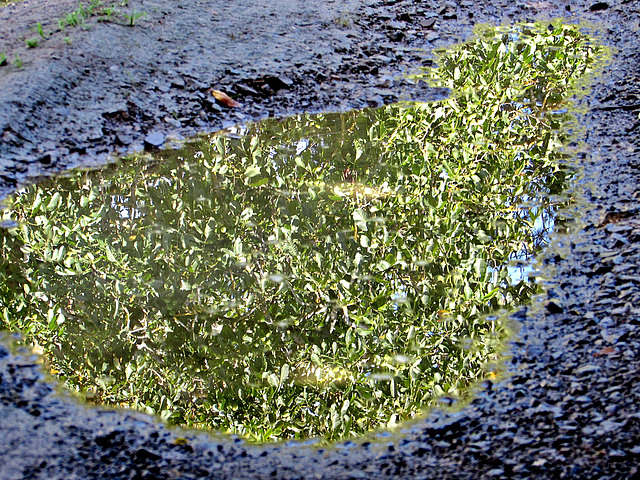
{"type": "Point", "coordinates": [571, 405]}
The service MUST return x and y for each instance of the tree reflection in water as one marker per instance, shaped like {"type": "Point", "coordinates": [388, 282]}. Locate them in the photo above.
{"type": "Point", "coordinates": [321, 275]}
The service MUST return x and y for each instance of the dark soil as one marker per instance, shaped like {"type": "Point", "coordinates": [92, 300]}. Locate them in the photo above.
{"type": "Point", "coordinates": [570, 407]}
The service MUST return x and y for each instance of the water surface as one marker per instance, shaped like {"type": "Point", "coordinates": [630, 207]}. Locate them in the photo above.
{"type": "Point", "coordinates": [320, 275]}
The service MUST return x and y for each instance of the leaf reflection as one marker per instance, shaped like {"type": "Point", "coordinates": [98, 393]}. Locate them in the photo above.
{"type": "Point", "coordinates": [316, 276]}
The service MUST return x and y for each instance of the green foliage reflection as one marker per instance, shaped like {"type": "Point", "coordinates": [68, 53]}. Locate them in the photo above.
{"type": "Point", "coordinates": [316, 276]}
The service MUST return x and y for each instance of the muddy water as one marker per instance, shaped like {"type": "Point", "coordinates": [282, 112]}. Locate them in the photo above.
{"type": "Point", "coordinates": [314, 276]}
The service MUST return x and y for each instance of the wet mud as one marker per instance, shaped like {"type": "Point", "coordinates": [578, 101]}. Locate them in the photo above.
{"type": "Point", "coordinates": [569, 407]}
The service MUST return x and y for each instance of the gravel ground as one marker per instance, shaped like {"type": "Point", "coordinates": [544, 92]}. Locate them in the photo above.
{"type": "Point", "coordinates": [570, 406]}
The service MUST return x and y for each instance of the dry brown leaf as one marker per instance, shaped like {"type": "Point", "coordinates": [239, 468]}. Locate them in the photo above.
{"type": "Point", "coordinates": [605, 351]}
{"type": "Point", "coordinates": [224, 99]}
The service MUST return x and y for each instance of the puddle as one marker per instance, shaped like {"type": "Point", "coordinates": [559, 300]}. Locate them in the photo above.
{"type": "Point", "coordinates": [321, 275]}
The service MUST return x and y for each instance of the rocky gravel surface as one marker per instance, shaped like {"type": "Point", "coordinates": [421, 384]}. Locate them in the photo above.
{"type": "Point", "coordinates": [569, 407]}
